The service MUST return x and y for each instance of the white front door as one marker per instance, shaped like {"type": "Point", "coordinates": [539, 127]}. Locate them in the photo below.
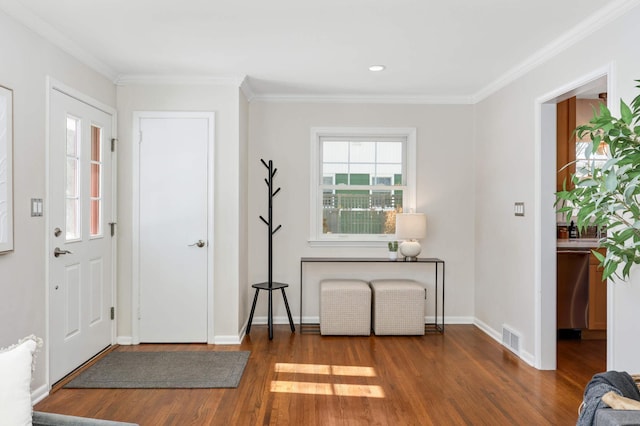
{"type": "Point", "coordinates": [80, 240]}
{"type": "Point", "coordinates": [173, 228]}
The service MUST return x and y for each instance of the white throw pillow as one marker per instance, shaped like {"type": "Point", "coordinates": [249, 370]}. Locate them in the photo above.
{"type": "Point", "coordinates": [15, 382]}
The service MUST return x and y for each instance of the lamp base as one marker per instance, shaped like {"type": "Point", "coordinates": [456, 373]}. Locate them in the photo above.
{"type": "Point", "coordinates": [410, 250]}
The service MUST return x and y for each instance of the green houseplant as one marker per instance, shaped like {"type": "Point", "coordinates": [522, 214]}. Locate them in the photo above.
{"type": "Point", "coordinates": [610, 195]}
{"type": "Point", "coordinates": [393, 250]}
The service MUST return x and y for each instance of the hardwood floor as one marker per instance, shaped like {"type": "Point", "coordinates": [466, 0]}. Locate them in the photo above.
{"type": "Point", "coordinates": [460, 378]}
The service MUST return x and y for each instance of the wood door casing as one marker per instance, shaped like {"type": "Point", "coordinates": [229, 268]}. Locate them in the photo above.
{"type": "Point", "coordinates": [565, 142]}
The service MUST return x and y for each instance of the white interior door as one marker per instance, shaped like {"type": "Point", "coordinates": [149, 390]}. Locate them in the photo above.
{"type": "Point", "coordinates": [80, 240]}
{"type": "Point", "coordinates": [173, 227]}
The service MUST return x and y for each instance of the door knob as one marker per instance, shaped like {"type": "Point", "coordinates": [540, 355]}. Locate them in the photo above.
{"type": "Point", "coordinates": [57, 252]}
{"type": "Point", "coordinates": [198, 243]}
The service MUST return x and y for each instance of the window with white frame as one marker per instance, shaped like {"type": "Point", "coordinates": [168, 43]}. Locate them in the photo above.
{"type": "Point", "coordinates": [360, 179]}
{"type": "Point", "coordinates": [587, 161]}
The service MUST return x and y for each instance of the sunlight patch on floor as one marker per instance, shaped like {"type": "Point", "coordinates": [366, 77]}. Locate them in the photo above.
{"type": "Point", "coordinates": [311, 388]}
{"type": "Point", "coordinates": [334, 370]}
{"type": "Point", "coordinates": [317, 388]}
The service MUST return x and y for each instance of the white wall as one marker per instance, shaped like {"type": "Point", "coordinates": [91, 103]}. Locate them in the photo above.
{"type": "Point", "coordinates": [504, 243]}
{"type": "Point", "coordinates": [228, 194]}
{"type": "Point", "coordinates": [505, 173]}
{"type": "Point", "coordinates": [445, 192]}
{"type": "Point", "coordinates": [27, 60]}
{"type": "Point", "coordinates": [243, 241]}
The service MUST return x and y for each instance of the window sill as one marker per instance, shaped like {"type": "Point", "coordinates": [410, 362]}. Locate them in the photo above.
{"type": "Point", "coordinates": [348, 243]}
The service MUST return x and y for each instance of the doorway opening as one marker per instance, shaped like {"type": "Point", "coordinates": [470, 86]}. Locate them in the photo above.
{"type": "Point", "coordinates": [566, 326]}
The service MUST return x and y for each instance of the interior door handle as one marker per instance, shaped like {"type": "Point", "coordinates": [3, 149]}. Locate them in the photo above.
{"type": "Point", "coordinates": [198, 243]}
{"type": "Point", "coordinates": [57, 252]}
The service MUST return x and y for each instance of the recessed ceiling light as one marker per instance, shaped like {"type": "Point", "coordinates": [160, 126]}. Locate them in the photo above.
{"type": "Point", "coordinates": [377, 68]}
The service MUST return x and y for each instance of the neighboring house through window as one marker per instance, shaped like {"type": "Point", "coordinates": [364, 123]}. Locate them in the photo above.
{"type": "Point", "coordinates": [360, 179]}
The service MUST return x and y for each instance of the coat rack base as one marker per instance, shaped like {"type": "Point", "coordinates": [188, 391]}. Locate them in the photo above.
{"type": "Point", "coordinates": [270, 287]}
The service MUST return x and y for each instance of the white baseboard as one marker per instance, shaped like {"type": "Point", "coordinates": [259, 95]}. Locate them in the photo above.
{"type": "Point", "coordinates": [278, 320]}
{"type": "Point", "coordinates": [451, 320]}
{"type": "Point", "coordinates": [528, 358]}
{"type": "Point", "coordinates": [217, 340]}
{"type": "Point", "coordinates": [231, 340]}
{"type": "Point", "coordinates": [227, 340]}
{"type": "Point", "coordinates": [39, 394]}
{"type": "Point", "coordinates": [236, 340]}
{"type": "Point", "coordinates": [124, 340]}
{"type": "Point", "coordinates": [497, 336]}
{"type": "Point", "coordinates": [427, 320]}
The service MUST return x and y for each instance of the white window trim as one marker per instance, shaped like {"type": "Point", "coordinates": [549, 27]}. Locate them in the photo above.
{"type": "Point", "coordinates": [316, 237]}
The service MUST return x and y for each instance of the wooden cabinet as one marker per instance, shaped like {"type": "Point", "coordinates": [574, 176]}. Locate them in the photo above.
{"type": "Point", "coordinates": [565, 142]}
{"type": "Point", "coordinates": [597, 295]}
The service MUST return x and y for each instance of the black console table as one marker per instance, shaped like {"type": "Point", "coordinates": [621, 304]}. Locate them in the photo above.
{"type": "Point", "coordinates": [439, 264]}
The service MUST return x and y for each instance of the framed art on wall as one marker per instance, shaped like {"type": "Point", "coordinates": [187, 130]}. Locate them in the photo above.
{"type": "Point", "coordinates": [6, 169]}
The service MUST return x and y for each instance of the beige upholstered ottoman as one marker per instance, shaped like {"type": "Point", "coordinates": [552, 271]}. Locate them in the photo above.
{"type": "Point", "coordinates": [345, 307]}
{"type": "Point", "coordinates": [398, 307]}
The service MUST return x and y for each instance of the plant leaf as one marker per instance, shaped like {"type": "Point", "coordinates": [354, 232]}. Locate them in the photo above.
{"type": "Point", "coordinates": [598, 256]}
{"type": "Point", "coordinates": [611, 182]}
{"type": "Point", "coordinates": [625, 112]}
{"type": "Point", "coordinates": [609, 268]}
{"type": "Point", "coordinates": [608, 195]}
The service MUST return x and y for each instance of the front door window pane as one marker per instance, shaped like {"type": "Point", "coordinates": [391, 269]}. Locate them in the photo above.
{"type": "Point", "coordinates": [96, 182]}
{"type": "Point", "coordinates": [72, 187]}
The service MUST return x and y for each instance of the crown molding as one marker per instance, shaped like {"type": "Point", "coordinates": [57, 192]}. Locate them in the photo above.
{"type": "Point", "coordinates": [246, 88]}
{"type": "Point", "coordinates": [27, 18]}
{"type": "Point", "coordinates": [369, 99]}
{"type": "Point", "coordinates": [587, 27]}
{"type": "Point", "coordinates": [202, 80]}
{"type": "Point", "coordinates": [609, 13]}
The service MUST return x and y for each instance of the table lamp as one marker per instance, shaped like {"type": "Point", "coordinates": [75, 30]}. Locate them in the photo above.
{"type": "Point", "coordinates": [411, 227]}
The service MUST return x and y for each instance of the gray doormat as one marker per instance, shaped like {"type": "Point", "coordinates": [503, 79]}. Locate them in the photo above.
{"type": "Point", "coordinates": [164, 370]}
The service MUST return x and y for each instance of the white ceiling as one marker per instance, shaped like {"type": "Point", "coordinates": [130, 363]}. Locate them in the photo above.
{"type": "Point", "coordinates": [451, 50]}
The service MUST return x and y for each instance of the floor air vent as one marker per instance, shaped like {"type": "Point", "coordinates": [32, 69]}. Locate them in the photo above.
{"type": "Point", "coordinates": [511, 340]}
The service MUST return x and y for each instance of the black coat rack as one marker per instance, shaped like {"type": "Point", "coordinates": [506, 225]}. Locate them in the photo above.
{"type": "Point", "coordinates": [270, 285]}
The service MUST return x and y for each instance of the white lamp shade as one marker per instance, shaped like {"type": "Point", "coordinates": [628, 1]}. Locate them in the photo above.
{"type": "Point", "coordinates": [411, 226]}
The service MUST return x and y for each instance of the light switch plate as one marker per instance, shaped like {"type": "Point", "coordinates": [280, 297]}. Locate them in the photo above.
{"type": "Point", "coordinates": [36, 207]}
{"type": "Point", "coordinates": [518, 209]}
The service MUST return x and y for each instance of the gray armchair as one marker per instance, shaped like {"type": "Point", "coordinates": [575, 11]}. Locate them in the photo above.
{"type": "Point", "coordinates": [610, 417]}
